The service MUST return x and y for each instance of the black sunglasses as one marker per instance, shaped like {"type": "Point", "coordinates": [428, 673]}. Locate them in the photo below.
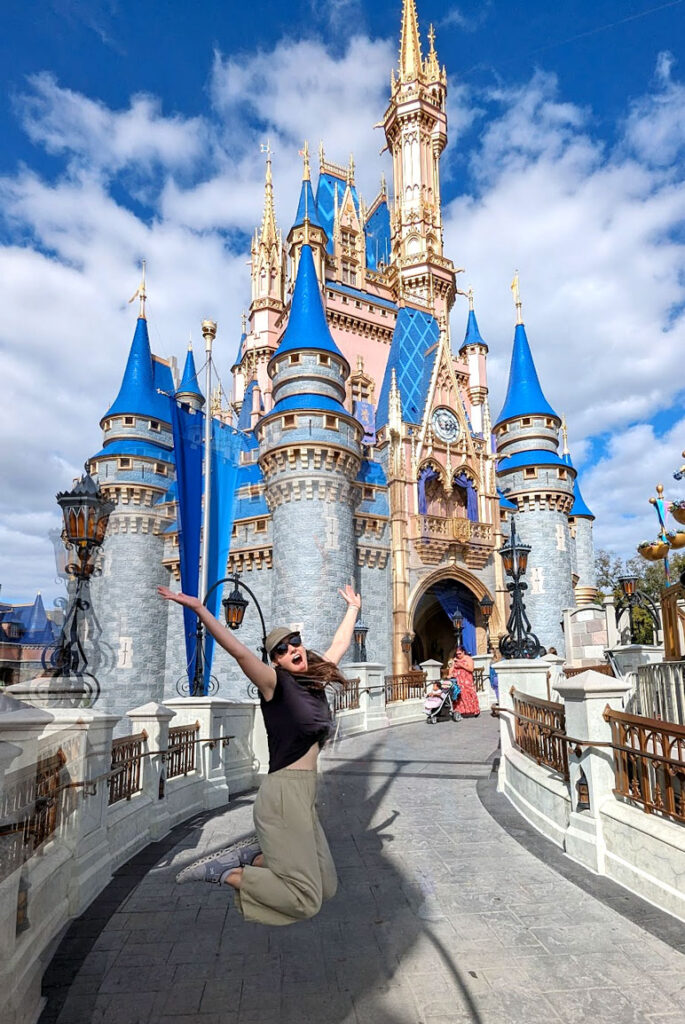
{"type": "Point", "coordinates": [295, 640]}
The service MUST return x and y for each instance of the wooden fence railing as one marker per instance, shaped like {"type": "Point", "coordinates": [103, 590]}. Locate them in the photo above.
{"type": "Point", "coordinates": [649, 763]}
{"type": "Point", "coordinates": [536, 723]}
{"type": "Point", "coordinates": [127, 756]}
{"type": "Point", "coordinates": [405, 686]}
{"type": "Point", "coordinates": [346, 698]}
{"type": "Point", "coordinates": [30, 810]}
{"type": "Point", "coordinates": [604, 668]}
{"type": "Point", "coordinates": [180, 755]}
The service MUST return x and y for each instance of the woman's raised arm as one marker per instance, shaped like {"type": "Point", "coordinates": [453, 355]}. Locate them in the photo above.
{"type": "Point", "coordinates": [263, 676]}
{"type": "Point", "coordinates": [343, 635]}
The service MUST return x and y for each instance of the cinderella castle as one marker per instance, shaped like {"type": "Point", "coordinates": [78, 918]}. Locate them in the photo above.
{"type": "Point", "coordinates": [369, 451]}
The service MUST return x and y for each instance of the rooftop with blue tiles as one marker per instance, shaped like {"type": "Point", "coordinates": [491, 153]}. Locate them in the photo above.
{"type": "Point", "coordinates": [524, 394]}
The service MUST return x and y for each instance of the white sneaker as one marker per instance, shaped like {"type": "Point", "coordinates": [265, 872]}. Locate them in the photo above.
{"type": "Point", "coordinates": [216, 866]}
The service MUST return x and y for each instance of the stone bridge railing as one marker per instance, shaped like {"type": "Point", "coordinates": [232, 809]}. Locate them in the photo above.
{"type": "Point", "coordinates": [606, 786]}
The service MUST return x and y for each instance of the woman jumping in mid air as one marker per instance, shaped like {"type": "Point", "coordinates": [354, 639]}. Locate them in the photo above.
{"type": "Point", "coordinates": [286, 876]}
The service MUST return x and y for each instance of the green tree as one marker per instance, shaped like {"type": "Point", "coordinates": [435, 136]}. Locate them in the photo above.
{"type": "Point", "coordinates": [650, 580]}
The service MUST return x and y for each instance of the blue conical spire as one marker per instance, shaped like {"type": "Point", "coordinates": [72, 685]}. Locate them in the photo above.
{"type": "Point", "coordinates": [138, 393]}
{"type": "Point", "coordinates": [472, 336]}
{"type": "Point", "coordinates": [306, 208]}
{"type": "Point", "coordinates": [524, 394]}
{"type": "Point", "coordinates": [579, 507]}
{"type": "Point", "coordinates": [307, 326]}
{"type": "Point", "coordinates": [189, 385]}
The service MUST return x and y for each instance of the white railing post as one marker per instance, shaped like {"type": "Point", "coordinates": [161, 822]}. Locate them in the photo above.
{"type": "Point", "coordinates": [373, 701]}
{"type": "Point", "coordinates": [529, 676]}
{"type": "Point", "coordinates": [433, 670]}
{"type": "Point", "coordinates": [585, 697]}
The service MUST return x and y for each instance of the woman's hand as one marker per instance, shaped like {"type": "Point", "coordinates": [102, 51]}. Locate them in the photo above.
{"type": "Point", "coordinates": [354, 600]}
{"type": "Point", "coordinates": [185, 599]}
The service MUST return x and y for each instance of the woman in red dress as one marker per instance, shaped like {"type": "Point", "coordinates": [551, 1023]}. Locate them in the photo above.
{"type": "Point", "coordinates": [462, 670]}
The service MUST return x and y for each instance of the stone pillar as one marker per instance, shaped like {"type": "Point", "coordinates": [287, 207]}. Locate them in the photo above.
{"type": "Point", "coordinates": [433, 670]}
{"type": "Point", "coordinates": [529, 676]}
{"type": "Point", "coordinates": [371, 692]}
{"type": "Point", "coordinates": [610, 612]}
{"type": "Point", "coordinates": [227, 764]}
{"type": "Point", "coordinates": [154, 719]}
{"type": "Point", "coordinates": [486, 697]}
{"type": "Point", "coordinates": [586, 696]}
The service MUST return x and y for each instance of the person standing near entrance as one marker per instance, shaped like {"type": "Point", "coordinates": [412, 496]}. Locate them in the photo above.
{"type": "Point", "coordinates": [466, 703]}
{"type": "Point", "coordinates": [287, 874]}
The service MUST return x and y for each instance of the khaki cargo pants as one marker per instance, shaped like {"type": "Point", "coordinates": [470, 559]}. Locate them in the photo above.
{"type": "Point", "coordinates": [298, 872]}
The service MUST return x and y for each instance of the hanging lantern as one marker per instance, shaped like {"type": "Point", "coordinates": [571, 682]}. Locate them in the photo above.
{"type": "Point", "coordinates": [234, 608]}
{"type": "Point", "coordinates": [86, 512]}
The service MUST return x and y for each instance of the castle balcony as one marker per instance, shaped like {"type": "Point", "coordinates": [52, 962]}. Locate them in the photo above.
{"type": "Point", "coordinates": [436, 537]}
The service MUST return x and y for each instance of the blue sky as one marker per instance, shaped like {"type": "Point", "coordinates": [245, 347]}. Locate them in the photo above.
{"type": "Point", "coordinates": [133, 130]}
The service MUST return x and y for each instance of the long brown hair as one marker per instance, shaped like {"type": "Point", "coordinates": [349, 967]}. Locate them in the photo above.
{"type": "Point", "coordinates": [320, 673]}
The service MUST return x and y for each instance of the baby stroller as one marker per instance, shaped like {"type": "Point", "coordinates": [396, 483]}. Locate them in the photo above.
{"type": "Point", "coordinates": [438, 706]}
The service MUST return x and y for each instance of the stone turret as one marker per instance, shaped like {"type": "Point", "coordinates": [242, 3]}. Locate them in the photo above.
{"type": "Point", "coordinates": [309, 452]}
{"type": "Point", "coordinates": [135, 468]}
{"type": "Point", "coordinates": [533, 475]}
{"type": "Point", "coordinates": [188, 390]}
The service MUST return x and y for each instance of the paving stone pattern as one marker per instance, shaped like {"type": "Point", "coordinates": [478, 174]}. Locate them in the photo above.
{"type": "Point", "coordinates": [450, 910]}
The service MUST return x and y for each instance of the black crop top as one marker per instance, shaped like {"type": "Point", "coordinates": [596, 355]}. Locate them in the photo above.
{"type": "Point", "coordinates": [295, 718]}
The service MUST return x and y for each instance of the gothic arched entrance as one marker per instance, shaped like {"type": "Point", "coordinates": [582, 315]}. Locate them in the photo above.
{"type": "Point", "coordinates": [434, 634]}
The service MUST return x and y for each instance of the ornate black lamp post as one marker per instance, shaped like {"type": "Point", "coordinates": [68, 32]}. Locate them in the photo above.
{"type": "Point", "coordinates": [458, 623]}
{"type": "Point", "coordinates": [520, 641]}
{"type": "Point", "coordinates": [631, 598]}
{"type": "Point", "coordinates": [234, 611]}
{"type": "Point", "coordinates": [360, 631]}
{"type": "Point", "coordinates": [486, 604]}
{"type": "Point", "coordinates": [85, 512]}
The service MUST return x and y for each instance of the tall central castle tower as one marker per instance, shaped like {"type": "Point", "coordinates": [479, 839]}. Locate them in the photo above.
{"type": "Point", "coordinates": [369, 454]}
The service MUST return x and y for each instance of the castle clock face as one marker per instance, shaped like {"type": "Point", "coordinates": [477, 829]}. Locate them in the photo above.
{"type": "Point", "coordinates": [445, 425]}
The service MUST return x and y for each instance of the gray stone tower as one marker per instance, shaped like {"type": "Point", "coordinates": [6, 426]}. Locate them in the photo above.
{"type": "Point", "coordinates": [532, 474]}
{"type": "Point", "coordinates": [580, 523]}
{"type": "Point", "coordinates": [310, 454]}
{"type": "Point", "coordinates": [135, 468]}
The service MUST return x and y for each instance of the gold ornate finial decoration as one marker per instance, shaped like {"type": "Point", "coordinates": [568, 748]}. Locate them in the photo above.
{"type": "Point", "coordinates": [350, 170]}
{"type": "Point", "coordinates": [384, 186]}
{"type": "Point", "coordinates": [432, 63]}
{"type": "Point", "coordinates": [322, 155]}
{"type": "Point", "coordinates": [304, 152]}
{"type": "Point", "coordinates": [216, 401]}
{"type": "Point", "coordinates": [243, 320]}
{"type": "Point", "coordinates": [470, 295]}
{"type": "Point", "coordinates": [517, 298]}
{"type": "Point", "coordinates": [411, 62]}
{"type": "Point", "coordinates": [269, 235]}
{"type": "Point", "coordinates": [140, 293]}
{"type": "Point", "coordinates": [564, 436]}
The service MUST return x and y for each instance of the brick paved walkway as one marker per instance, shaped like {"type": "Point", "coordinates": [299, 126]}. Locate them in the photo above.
{"type": "Point", "coordinates": [450, 910]}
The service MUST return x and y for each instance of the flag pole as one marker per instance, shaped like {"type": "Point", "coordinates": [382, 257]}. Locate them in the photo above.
{"type": "Point", "coordinates": [209, 334]}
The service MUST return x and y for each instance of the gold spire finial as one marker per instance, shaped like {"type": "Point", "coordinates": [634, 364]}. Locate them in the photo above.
{"type": "Point", "coordinates": [564, 435]}
{"type": "Point", "coordinates": [244, 321]}
{"type": "Point", "coordinates": [517, 298]}
{"type": "Point", "coordinates": [384, 185]}
{"type": "Point", "coordinates": [304, 153]}
{"type": "Point", "coordinates": [470, 295]}
{"type": "Point", "coordinates": [411, 62]}
{"type": "Point", "coordinates": [350, 170]}
{"type": "Point", "coordinates": [141, 294]}
{"type": "Point", "coordinates": [269, 234]}
{"type": "Point", "coordinates": [322, 155]}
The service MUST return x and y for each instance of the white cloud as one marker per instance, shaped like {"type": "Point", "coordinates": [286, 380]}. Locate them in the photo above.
{"type": "Point", "coordinates": [593, 231]}
{"type": "Point", "coordinates": [95, 137]}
